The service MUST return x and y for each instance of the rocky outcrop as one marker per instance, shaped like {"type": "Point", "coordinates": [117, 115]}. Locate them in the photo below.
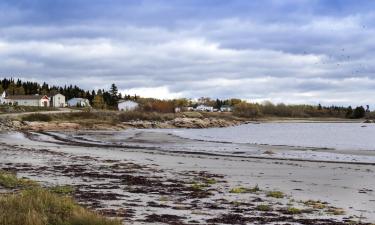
{"type": "Point", "coordinates": [9, 125]}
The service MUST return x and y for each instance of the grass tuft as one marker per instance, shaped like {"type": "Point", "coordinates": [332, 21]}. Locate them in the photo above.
{"type": "Point", "coordinates": [275, 194]}
{"type": "Point", "coordinates": [264, 208]}
{"type": "Point", "coordinates": [293, 211]}
{"type": "Point", "coordinates": [10, 181]}
{"type": "Point", "coordinates": [38, 206]}
{"type": "Point", "coordinates": [62, 190]}
{"type": "Point", "coordinates": [241, 190]}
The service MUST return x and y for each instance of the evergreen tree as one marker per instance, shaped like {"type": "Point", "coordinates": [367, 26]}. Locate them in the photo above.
{"type": "Point", "coordinates": [359, 112]}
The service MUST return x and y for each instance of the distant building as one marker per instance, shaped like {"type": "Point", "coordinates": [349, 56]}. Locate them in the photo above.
{"type": "Point", "coordinates": [127, 105]}
{"type": "Point", "coordinates": [57, 101]}
{"type": "Point", "coordinates": [28, 100]}
{"type": "Point", "coordinates": [2, 98]}
{"type": "Point", "coordinates": [177, 109]}
{"type": "Point", "coordinates": [226, 108]}
{"type": "Point", "coordinates": [205, 108]}
{"type": "Point", "coordinates": [79, 102]}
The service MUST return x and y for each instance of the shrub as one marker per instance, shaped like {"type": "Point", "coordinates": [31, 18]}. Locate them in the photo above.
{"type": "Point", "coordinates": [247, 110]}
{"type": "Point", "coordinates": [37, 117]}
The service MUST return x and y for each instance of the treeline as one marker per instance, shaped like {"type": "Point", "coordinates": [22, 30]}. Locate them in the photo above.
{"type": "Point", "coordinates": [108, 99]}
{"type": "Point", "coordinates": [103, 99]}
{"type": "Point", "coordinates": [254, 110]}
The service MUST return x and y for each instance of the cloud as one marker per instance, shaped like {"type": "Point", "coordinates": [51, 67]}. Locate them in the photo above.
{"type": "Point", "coordinates": [291, 51]}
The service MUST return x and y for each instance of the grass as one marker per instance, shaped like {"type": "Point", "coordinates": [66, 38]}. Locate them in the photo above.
{"type": "Point", "coordinates": [38, 206]}
{"type": "Point", "coordinates": [37, 117]}
{"type": "Point", "coordinates": [149, 116]}
{"type": "Point", "coordinates": [34, 205]}
{"type": "Point", "coordinates": [21, 109]}
{"type": "Point", "coordinates": [293, 211]}
{"type": "Point", "coordinates": [198, 186]}
{"type": "Point", "coordinates": [210, 181]}
{"type": "Point", "coordinates": [10, 181]}
{"type": "Point", "coordinates": [241, 190]}
{"type": "Point", "coordinates": [62, 190]}
{"type": "Point", "coordinates": [315, 204]}
{"type": "Point", "coordinates": [275, 194]}
{"type": "Point", "coordinates": [264, 208]}
{"type": "Point", "coordinates": [336, 211]}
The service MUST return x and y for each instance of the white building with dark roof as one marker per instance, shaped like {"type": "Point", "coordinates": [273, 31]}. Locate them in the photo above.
{"type": "Point", "coordinates": [28, 100]}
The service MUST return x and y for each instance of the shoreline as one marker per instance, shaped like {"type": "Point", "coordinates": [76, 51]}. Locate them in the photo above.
{"type": "Point", "coordinates": [186, 171]}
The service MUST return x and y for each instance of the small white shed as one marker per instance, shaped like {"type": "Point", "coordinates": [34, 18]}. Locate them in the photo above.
{"type": "Point", "coordinates": [58, 101]}
{"type": "Point", "coordinates": [127, 105]}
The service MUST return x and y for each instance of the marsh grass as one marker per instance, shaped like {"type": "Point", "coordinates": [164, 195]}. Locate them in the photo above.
{"type": "Point", "coordinates": [275, 194]}
{"type": "Point", "coordinates": [34, 205]}
{"type": "Point", "coordinates": [37, 117]}
{"type": "Point", "coordinates": [293, 211]}
{"type": "Point", "coordinates": [241, 190]}
{"type": "Point", "coordinates": [62, 190]}
{"type": "Point", "coordinates": [10, 181]}
{"type": "Point", "coordinates": [264, 208]}
{"type": "Point", "coordinates": [38, 206]}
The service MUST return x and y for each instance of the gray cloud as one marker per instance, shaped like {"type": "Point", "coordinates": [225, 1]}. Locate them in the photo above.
{"type": "Point", "coordinates": [310, 58]}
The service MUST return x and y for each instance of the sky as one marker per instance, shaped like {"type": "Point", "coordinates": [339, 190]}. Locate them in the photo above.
{"type": "Point", "coordinates": [291, 51]}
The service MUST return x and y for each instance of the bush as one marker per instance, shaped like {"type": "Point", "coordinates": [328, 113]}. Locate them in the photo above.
{"type": "Point", "coordinates": [37, 117]}
{"type": "Point", "coordinates": [247, 110]}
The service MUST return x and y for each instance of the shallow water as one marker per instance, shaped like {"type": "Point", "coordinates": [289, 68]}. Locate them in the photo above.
{"type": "Point", "coordinates": [339, 136]}
{"type": "Point", "coordinates": [335, 142]}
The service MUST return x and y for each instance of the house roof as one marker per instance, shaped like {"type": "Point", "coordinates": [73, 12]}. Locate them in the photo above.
{"type": "Point", "coordinates": [78, 99]}
{"type": "Point", "coordinates": [26, 97]}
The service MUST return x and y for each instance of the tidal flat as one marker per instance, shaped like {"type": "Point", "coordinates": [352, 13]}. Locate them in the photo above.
{"type": "Point", "coordinates": [148, 177]}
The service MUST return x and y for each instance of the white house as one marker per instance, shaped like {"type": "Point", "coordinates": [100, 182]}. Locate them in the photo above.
{"type": "Point", "coordinates": [205, 108]}
{"type": "Point", "coordinates": [80, 102]}
{"type": "Point", "coordinates": [2, 98]}
{"type": "Point", "coordinates": [127, 105]}
{"type": "Point", "coordinates": [28, 100]}
{"type": "Point", "coordinates": [226, 108]}
{"type": "Point", "coordinates": [58, 101]}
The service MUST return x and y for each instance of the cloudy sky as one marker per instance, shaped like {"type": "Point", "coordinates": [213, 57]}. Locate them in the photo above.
{"type": "Point", "coordinates": [293, 51]}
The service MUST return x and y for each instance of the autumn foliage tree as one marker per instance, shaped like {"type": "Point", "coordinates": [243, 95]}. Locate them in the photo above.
{"type": "Point", "coordinates": [247, 110]}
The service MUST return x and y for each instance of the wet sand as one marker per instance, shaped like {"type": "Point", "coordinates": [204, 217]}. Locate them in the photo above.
{"type": "Point", "coordinates": [144, 184]}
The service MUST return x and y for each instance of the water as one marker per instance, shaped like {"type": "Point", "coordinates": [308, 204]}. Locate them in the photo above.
{"type": "Point", "coordinates": [338, 136]}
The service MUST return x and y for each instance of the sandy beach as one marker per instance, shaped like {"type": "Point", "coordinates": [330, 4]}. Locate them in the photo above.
{"type": "Point", "coordinates": [142, 183]}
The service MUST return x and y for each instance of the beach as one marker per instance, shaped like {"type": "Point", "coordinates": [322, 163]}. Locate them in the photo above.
{"type": "Point", "coordinates": [144, 180]}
